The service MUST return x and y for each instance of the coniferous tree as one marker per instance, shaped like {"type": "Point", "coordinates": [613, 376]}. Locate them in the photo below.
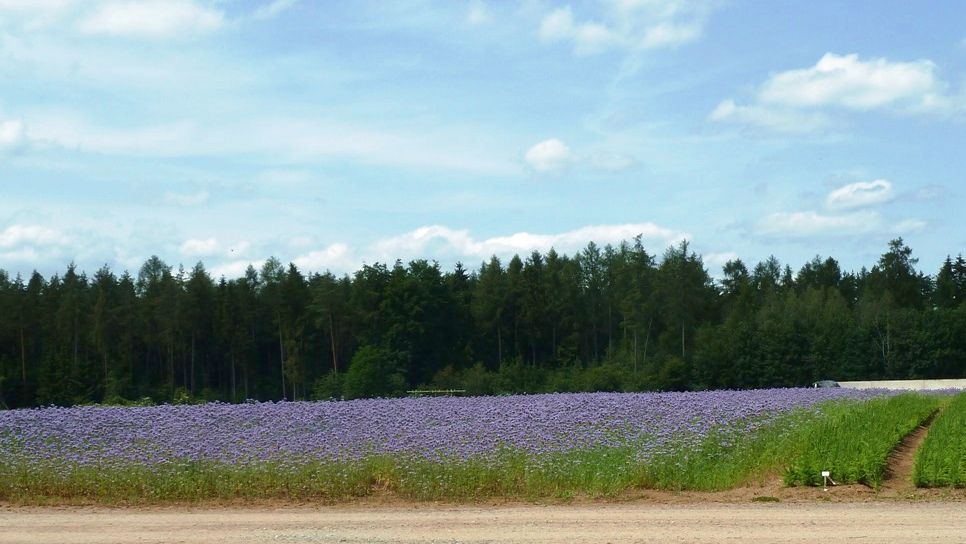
{"type": "Point", "coordinates": [611, 318]}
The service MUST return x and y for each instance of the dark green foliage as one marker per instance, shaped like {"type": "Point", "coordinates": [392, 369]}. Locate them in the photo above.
{"type": "Point", "coordinates": [606, 319]}
{"type": "Point", "coordinates": [374, 372]}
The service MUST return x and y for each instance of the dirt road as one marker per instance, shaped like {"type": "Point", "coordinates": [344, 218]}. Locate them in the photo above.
{"type": "Point", "coordinates": [617, 523]}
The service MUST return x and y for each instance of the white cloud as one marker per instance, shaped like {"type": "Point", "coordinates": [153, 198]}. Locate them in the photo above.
{"type": "Point", "coordinates": [12, 136]}
{"type": "Point", "coordinates": [415, 242]}
{"type": "Point", "coordinates": [770, 118]}
{"type": "Point", "coordinates": [336, 257]}
{"type": "Point", "coordinates": [861, 194]}
{"type": "Point", "coordinates": [716, 261]}
{"type": "Point", "coordinates": [791, 101]}
{"type": "Point", "coordinates": [186, 199]}
{"type": "Point", "coordinates": [211, 247]}
{"type": "Point", "coordinates": [553, 155]}
{"type": "Point", "coordinates": [151, 19]}
{"type": "Point", "coordinates": [200, 248]}
{"type": "Point", "coordinates": [848, 82]}
{"type": "Point", "coordinates": [234, 269]}
{"type": "Point", "coordinates": [720, 258]}
{"type": "Point", "coordinates": [441, 240]}
{"type": "Point", "coordinates": [20, 235]}
{"type": "Point", "coordinates": [273, 9]}
{"type": "Point", "coordinates": [549, 156]}
{"type": "Point", "coordinates": [93, 242]}
{"type": "Point", "coordinates": [628, 25]}
{"type": "Point", "coordinates": [810, 223]}
{"type": "Point", "coordinates": [31, 245]}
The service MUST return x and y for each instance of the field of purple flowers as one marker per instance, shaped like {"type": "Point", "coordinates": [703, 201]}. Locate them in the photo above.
{"type": "Point", "coordinates": [556, 444]}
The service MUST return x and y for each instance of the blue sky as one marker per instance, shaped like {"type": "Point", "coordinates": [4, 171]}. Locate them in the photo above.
{"type": "Point", "coordinates": [333, 134]}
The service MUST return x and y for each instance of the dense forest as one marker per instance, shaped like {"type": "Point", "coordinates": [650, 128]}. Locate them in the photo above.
{"type": "Point", "coordinates": [611, 318]}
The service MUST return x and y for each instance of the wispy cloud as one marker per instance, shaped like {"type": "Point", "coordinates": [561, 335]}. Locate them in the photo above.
{"type": "Point", "coordinates": [765, 117]}
{"type": "Point", "coordinates": [20, 234]}
{"type": "Point", "coordinates": [213, 248]}
{"type": "Point", "coordinates": [589, 37]}
{"type": "Point", "coordinates": [12, 135]}
{"type": "Point", "coordinates": [811, 224]}
{"type": "Point", "coordinates": [186, 199]}
{"type": "Point", "coordinates": [280, 138]}
{"type": "Point", "coordinates": [273, 9]}
{"type": "Point", "coordinates": [152, 19]}
{"type": "Point", "coordinates": [611, 162]}
{"type": "Point", "coordinates": [627, 25]}
{"type": "Point", "coordinates": [200, 248]}
{"type": "Point", "coordinates": [478, 13]}
{"type": "Point", "coordinates": [908, 226]}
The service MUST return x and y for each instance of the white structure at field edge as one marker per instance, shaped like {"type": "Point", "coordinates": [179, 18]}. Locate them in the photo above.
{"type": "Point", "coordinates": [911, 385]}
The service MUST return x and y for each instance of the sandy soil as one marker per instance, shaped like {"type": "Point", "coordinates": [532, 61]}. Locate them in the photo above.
{"type": "Point", "coordinates": [880, 521]}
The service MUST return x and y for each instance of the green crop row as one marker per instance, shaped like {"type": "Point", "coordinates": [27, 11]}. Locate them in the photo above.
{"type": "Point", "coordinates": [941, 461]}
{"type": "Point", "coordinates": [853, 441]}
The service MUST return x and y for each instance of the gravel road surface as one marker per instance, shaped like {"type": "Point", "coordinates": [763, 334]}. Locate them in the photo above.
{"type": "Point", "coordinates": [615, 523]}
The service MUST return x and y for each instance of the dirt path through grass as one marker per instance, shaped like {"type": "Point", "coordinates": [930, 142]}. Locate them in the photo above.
{"type": "Point", "coordinates": [902, 460]}
{"type": "Point", "coordinates": [616, 523]}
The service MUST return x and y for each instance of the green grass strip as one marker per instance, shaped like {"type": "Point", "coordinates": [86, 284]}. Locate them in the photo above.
{"type": "Point", "coordinates": [600, 472]}
{"type": "Point", "coordinates": [853, 441]}
{"type": "Point", "coordinates": [727, 459]}
{"type": "Point", "coordinates": [941, 460]}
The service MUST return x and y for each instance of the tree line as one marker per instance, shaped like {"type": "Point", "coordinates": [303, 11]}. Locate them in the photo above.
{"type": "Point", "coordinates": [610, 318]}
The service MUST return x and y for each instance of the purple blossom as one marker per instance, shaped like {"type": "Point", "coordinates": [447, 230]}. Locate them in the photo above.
{"type": "Point", "coordinates": [295, 433]}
